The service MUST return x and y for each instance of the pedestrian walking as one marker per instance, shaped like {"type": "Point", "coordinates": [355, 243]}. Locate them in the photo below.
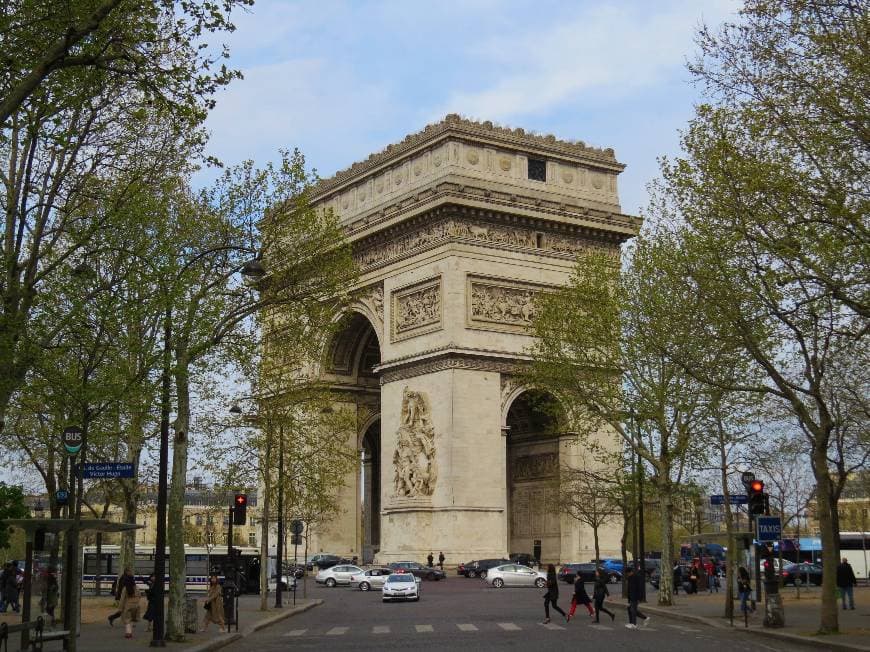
{"type": "Point", "coordinates": [552, 594]}
{"type": "Point", "coordinates": [214, 605]}
{"type": "Point", "coordinates": [694, 572]}
{"type": "Point", "coordinates": [599, 593]}
{"type": "Point", "coordinates": [678, 577]}
{"type": "Point", "coordinates": [635, 592]}
{"type": "Point", "coordinates": [430, 560]}
{"type": "Point", "coordinates": [845, 582]}
{"type": "Point", "coordinates": [119, 583]}
{"type": "Point", "coordinates": [580, 597]}
{"type": "Point", "coordinates": [129, 605]}
{"type": "Point", "coordinates": [150, 606]}
{"type": "Point", "coordinates": [50, 595]}
{"type": "Point", "coordinates": [744, 590]}
{"type": "Point", "coordinates": [9, 587]}
{"type": "Point", "coordinates": [709, 575]}
{"type": "Point", "coordinates": [441, 560]}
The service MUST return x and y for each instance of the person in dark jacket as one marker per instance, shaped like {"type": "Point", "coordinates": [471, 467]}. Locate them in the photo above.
{"type": "Point", "coordinates": [580, 597]}
{"type": "Point", "coordinates": [678, 578]}
{"type": "Point", "coordinates": [744, 590]}
{"type": "Point", "coordinates": [635, 591]}
{"type": "Point", "coordinates": [552, 594]}
{"type": "Point", "coordinates": [150, 606]}
{"type": "Point", "coordinates": [599, 593]}
{"type": "Point", "coordinates": [9, 587]}
{"type": "Point", "coordinates": [441, 560]}
{"type": "Point", "coordinates": [845, 581]}
{"type": "Point", "coordinates": [430, 560]}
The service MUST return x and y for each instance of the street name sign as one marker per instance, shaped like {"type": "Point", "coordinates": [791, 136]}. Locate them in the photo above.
{"type": "Point", "coordinates": [734, 499]}
{"type": "Point", "coordinates": [104, 470]}
{"type": "Point", "coordinates": [73, 439]}
{"type": "Point", "coordinates": [768, 528]}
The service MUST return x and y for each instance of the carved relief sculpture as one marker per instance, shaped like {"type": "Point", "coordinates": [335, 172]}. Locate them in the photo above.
{"type": "Point", "coordinates": [416, 310]}
{"type": "Point", "coordinates": [502, 304]}
{"type": "Point", "coordinates": [414, 459]}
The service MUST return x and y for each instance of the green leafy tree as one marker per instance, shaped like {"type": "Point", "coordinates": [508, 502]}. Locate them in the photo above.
{"type": "Point", "coordinates": [774, 190]}
{"type": "Point", "coordinates": [11, 506]}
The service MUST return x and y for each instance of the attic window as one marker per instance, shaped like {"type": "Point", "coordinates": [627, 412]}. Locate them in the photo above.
{"type": "Point", "coordinates": [537, 169]}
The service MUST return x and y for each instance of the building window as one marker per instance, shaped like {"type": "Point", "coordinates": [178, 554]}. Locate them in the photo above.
{"type": "Point", "coordinates": [537, 169]}
{"type": "Point", "coordinates": [252, 538]}
{"type": "Point", "coordinates": [199, 519]}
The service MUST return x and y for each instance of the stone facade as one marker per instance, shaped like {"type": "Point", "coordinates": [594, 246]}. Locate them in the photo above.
{"type": "Point", "coordinates": [455, 242]}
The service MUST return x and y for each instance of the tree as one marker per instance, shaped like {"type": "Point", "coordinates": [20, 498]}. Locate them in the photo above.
{"type": "Point", "coordinates": [602, 345]}
{"type": "Point", "coordinates": [774, 191]}
{"type": "Point", "coordinates": [11, 506]}
{"type": "Point", "coordinates": [590, 495]}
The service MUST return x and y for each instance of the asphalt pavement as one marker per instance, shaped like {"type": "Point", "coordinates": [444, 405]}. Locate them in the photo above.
{"type": "Point", "coordinates": [462, 613]}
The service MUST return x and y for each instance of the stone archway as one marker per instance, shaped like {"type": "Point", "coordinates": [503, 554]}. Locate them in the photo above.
{"type": "Point", "coordinates": [532, 476]}
{"type": "Point", "coordinates": [370, 482]}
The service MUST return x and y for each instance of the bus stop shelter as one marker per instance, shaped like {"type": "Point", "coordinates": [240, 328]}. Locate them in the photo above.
{"type": "Point", "coordinates": [56, 526]}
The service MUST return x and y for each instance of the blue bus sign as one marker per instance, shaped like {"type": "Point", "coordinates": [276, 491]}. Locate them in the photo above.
{"type": "Point", "coordinates": [73, 439]}
{"type": "Point", "coordinates": [769, 528]}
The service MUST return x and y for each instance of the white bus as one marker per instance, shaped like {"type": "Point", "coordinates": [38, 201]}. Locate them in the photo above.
{"type": "Point", "coordinates": [855, 546]}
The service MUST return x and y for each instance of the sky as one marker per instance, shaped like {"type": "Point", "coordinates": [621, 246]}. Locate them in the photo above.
{"type": "Point", "coordinates": [341, 80]}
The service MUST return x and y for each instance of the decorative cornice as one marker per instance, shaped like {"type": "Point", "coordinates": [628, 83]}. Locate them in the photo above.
{"type": "Point", "coordinates": [451, 359]}
{"type": "Point", "coordinates": [454, 123]}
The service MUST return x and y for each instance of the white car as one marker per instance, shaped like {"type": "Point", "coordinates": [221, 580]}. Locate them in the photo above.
{"type": "Point", "coordinates": [373, 578]}
{"type": "Point", "coordinates": [340, 574]}
{"type": "Point", "coordinates": [515, 575]}
{"type": "Point", "coordinates": [401, 586]}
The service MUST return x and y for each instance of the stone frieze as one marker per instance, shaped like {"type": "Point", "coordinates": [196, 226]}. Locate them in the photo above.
{"type": "Point", "coordinates": [416, 309]}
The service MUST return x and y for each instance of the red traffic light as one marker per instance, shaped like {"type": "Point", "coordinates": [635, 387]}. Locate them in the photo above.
{"type": "Point", "coordinates": [241, 500]}
{"type": "Point", "coordinates": [756, 487]}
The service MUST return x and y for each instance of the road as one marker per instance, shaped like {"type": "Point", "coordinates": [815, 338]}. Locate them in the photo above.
{"type": "Point", "coordinates": [465, 614]}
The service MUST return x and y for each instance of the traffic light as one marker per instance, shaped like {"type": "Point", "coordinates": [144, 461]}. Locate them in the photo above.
{"type": "Point", "coordinates": [756, 497]}
{"type": "Point", "coordinates": [240, 509]}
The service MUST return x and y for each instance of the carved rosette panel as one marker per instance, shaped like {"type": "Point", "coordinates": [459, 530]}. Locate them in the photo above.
{"type": "Point", "coordinates": [416, 310]}
{"type": "Point", "coordinates": [492, 234]}
{"type": "Point", "coordinates": [501, 305]}
{"type": "Point", "coordinates": [414, 457]}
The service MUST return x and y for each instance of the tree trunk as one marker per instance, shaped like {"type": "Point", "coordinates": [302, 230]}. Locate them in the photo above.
{"type": "Point", "coordinates": [597, 549]}
{"type": "Point", "coordinates": [175, 520]}
{"type": "Point", "coordinates": [264, 529]}
{"type": "Point", "coordinates": [829, 617]}
{"type": "Point", "coordinates": [666, 580]}
{"type": "Point", "coordinates": [127, 551]}
{"type": "Point", "coordinates": [730, 573]}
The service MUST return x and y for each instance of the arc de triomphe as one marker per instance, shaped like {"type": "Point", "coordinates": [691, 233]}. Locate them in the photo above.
{"type": "Point", "coordinates": [455, 230]}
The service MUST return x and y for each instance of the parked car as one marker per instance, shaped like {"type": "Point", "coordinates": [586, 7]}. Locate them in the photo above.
{"type": "Point", "coordinates": [373, 578]}
{"type": "Point", "coordinates": [803, 573]}
{"type": "Point", "coordinates": [401, 586]}
{"type": "Point", "coordinates": [322, 561]}
{"type": "Point", "coordinates": [462, 569]}
{"type": "Point", "coordinates": [612, 565]}
{"type": "Point", "coordinates": [339, 574]}
{"type": "Point", "coordinates": [524, 559]}
{"type": "Point", "coordinates": [418, 570]}
{"type": "Point", "coordinates": [569, 572]}
{"type": "Point", "coordinates": [480, 567]}
{"type": "Point", "coordinates": [515, 575]}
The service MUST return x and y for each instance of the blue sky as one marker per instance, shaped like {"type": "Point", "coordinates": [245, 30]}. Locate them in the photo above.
{"type": "Point", "coordinates": [341, 80]}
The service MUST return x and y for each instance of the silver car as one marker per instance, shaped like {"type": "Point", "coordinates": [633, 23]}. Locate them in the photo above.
{"type": "Point", "coordinates": [340, 574]}
{"type": "Point", "coordinates": [401, 586]}
{"type": "Point", "coordinates": [373, 578]}
{"type": "Point", "coordinates": [515, 575]}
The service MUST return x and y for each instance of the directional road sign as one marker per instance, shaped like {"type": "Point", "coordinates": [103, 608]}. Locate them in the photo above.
{"type": "Point", "coordinates": [103, 470]}
{"type": "Point", "coordinates": [734, 499]}
{"type": "Point", "coordinates": [296, 527]}
{"type": "Point", "coordinates": [73, 439]}
{"type": "Point", "coordinates": [768, 528]}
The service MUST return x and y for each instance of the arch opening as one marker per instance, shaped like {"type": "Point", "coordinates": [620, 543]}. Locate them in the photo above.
{"type": "Point", "coordinates": [533, 457]}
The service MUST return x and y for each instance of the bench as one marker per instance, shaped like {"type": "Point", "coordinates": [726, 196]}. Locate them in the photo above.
{"type": "Point", "coordinates": [35, 642]}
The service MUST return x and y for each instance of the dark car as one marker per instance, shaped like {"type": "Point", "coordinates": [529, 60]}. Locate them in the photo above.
{"type": "Point", "coordinates": [462, 569]}
{"type": "Point", "coordinates": [568, 573]}
{"type": "Point", "coordinates": [479, 568]}
{"type": "Point", "coordinates": [418, 570]}
{"type": "Point", "coordinates": [325, 561]}
{"type": "Point", "coordinates": [524, 559]}
{"type": "Point", "coordinates": [803, 573]}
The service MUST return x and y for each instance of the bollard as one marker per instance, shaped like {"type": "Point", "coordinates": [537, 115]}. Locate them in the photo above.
{"type": "Point", "coordinates": [230, 603]}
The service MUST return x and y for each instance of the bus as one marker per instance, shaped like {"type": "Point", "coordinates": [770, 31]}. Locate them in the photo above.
{"type": "Point", "coordinates": [197, 562]}
{"type": "Point", "coordinates": [855, 546]}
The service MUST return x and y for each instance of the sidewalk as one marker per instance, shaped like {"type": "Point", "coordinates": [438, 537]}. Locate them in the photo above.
{"type": "Point", "coordinates": [801, 617]}
{"type": "Point", "coordinates": [97, 636]}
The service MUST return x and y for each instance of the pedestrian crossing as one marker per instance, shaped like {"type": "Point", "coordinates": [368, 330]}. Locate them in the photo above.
{"type": "Point", "coordinates": [428, 628]}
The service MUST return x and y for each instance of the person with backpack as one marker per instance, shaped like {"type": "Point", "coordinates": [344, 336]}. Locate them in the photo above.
{"type": "Point", "coordinates": [552, 594]}
{"type": "Point", "coordinates": [599, 593]}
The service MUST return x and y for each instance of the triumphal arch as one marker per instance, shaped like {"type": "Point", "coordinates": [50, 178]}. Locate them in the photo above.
{"type": "Point", "coordinates": [456, 230]}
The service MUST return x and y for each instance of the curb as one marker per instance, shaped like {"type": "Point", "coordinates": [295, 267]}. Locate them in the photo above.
{"type": "Point", "coordinates": [223, 641]}
{"type": "Point", "coordinates": [822, 642]}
